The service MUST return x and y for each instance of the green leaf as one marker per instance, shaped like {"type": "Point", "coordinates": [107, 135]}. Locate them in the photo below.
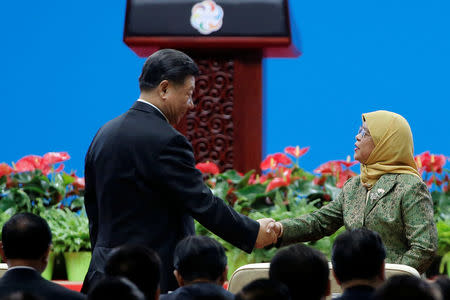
{"type": "Point", "coordinates": [67, 179]}
{"type": "Point", "coordinates": [244, 181]}
{"type": "Point", "coordinates": [231, 175]}
{"type": "Point", "coordinates": [221, 189]}
{"type": "Point", "coordinates": [251, 192]}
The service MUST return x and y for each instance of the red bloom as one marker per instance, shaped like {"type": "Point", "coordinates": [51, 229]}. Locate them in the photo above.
{"type": "Point", "coordinates": [344, 176]}
{"type": "Point", "coordinates": [320, 180]}
{"type": "Point", "coordinates": [5, 169]}
{"type": "Point", "coordinates": [28, 163]}
{"type": "Point", "coordinates": [296, 151]}
{"type": "Point", "coordinates": [347, 162]}
{"type": "Point", "coordinates": [263, 178]}
{"type": "Point", "coordinates": [52, 158]}
{"type": "Point", "coordinates": [332, 167]}
{"type": "Point", "coordinates": [430, 162]}
{"type": "Point", "coordinates": [274, 160]}
{"type": "Point", "coordinates": [208, 168]}
{"type": "Point", "coordinates": [276, 183]}
{"type": "Point", "coordinates": [78, 183]}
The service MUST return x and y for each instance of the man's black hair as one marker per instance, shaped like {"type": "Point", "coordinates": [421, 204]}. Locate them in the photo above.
{"type": "Point", "coordinates": [358, 254]}
{"type": "Point", "coordinates": [199, 257]}
{"type": "Point", "coordinates": [115, 288]}
{"type": "Point", "coordinates": [26, 236]}
{"type": "Point", "coordinates": [405, 287]}
{"type": "Point", "coordinates": [264, 289]}
{"type": "Point", "coordinates": [303, 270]}
{"type": "Point", "coordinates": [166, 64]}
{"type": "Point", "coordinates": [138, 264]}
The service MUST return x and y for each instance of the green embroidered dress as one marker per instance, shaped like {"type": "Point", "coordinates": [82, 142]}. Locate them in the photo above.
{"type": "Point", "coordinates": [398, 207]}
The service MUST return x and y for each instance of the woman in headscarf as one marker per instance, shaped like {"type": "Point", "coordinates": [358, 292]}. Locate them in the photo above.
{"type": "Point", "coordinates": [389, 196]}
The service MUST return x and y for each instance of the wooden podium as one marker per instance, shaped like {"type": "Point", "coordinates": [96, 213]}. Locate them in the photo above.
{"type": "Point", "coordinates": [228, 40]}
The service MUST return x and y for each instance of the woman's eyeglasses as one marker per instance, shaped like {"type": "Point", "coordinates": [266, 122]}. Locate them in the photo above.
{"type": "Point", "coordinates": [363, 132]}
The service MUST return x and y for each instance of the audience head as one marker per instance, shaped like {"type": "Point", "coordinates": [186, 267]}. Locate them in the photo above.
{"type": "Point", "coordinates": [138, 264]}
{"type": "Point", "coordinates": [303, 270]}
{"type": "Point", "coordinates": [26, 237]}
{"type": "Point", "coordinates": [358, 254]}
{"type": "Point", "coordinates": [166, 64]}
{"type": "Point", "coordinates": [200, 258]}
{"type": "Point", "coordinates": [264, 289]}
{"type": "Point", "coordinates": [443, 284]}
{"type": "Point", "coordinates": [115, 288]}
{"type": "Point", "coordinates": [406, 287]}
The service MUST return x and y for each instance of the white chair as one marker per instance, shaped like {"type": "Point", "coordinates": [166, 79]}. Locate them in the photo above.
{"type": "Point", "coordinates": [3, 269]}
{"type": "Point", "coordinates": [246, 274]}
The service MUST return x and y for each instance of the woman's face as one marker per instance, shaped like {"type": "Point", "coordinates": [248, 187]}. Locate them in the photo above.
{"type": "Point", "coordinates": [364, 144]}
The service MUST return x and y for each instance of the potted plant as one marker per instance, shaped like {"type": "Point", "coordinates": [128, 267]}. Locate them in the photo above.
{"type": "Point", "coordinates": [71, 238]}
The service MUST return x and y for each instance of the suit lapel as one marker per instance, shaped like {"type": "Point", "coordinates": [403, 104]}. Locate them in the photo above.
{"type": "Point", "coordinates": [381, 188]}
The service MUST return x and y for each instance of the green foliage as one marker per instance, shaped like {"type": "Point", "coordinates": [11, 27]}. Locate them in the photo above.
{"type": "Point", "coordinates": [35, 192]}
{"type": "Point", "coordinates": [44, 195]}
{"type": "Point", "coordinates": [70, 230]}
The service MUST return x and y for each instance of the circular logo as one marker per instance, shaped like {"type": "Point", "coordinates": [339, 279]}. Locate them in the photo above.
{"type": "Point", "coordinates": [207, 17]}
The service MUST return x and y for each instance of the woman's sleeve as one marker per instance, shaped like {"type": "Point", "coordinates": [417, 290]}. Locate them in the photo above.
{"type": "Point", "coordinates": [313, 226]}
{"type": "Point", "coordinates": [420, 229]}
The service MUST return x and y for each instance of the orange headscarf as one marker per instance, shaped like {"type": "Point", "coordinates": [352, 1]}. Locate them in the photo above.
{"type": "Point", "coordinates": [394, 148]}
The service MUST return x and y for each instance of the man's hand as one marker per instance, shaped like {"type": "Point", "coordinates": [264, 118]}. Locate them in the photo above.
{"type": "Point", "coordinates": [269, 231]}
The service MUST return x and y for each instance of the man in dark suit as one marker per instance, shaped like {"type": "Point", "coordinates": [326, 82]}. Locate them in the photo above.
{"type": "Point", "coordinates": [26, 243]}
{"type": "Point", "coordinates": [142, 186]}
{"type": "Point", "coordinates": [200, 269]}
{"type": "Point", "coordinates": [358, 263]}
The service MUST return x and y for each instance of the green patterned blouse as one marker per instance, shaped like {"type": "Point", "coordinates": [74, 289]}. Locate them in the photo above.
{"type": "Point", "coordinates": [399, 208]}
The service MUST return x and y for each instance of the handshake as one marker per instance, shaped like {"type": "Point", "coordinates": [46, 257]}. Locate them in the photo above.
{"type": "Point", "coordinates": [269, 232]}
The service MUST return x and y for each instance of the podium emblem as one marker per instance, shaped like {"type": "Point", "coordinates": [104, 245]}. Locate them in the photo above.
{"type": "Point", "coordinates": [207, 17]}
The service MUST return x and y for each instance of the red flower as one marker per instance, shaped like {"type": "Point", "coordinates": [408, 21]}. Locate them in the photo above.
{"type": "Point", "coordinates": [347, 162]}
{"type": "Point", "coordinates": [263, 178]}
{"type": "Point", "coordinates": [276, 183]}
{"type": "Point", "coordinates": [274, 160]}
{"type": "Point", "coordinates": [296, 151]}
{"type": "Point", "coordinates": [52, 158]}
{"type": "Point", "coordinates": [430, 162]}
{"type": "Point", "coordinates": [28, 163]}
{"type": "Point", "coordinates": [344, 176]}
{"type": "Point", "coordinates": [5, 169]}
{"type": "Point", "coordinates": [320, 180]}
{"type": "Point", "coordinates": [332, 167]}
{"type": "Point", "coordinates": [208, 168]}
{"type": "Point", "coordinates": [78, 183]}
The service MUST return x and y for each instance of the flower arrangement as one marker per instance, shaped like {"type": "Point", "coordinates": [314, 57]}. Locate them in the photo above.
{"type": "Point", "coordinates": [284, 190]}
{"type": "Point", "coordinates": [38, 184]}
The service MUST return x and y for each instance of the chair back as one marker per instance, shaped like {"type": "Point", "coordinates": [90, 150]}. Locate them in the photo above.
{"type": "Point", "coordinates": [247, 273]}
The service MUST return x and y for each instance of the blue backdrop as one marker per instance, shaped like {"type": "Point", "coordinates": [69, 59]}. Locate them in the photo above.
{"type": "Point", "coordinates": [65, 71]}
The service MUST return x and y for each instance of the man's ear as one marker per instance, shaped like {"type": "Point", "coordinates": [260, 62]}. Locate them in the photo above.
{"type": "Point", "coordinates": [162, 89]}
{"type": "Point", "coordinates": [328, 293]}
{"type": "Point", "coordinates": [2, 252]}
{"type": "Point", "coordinates": [44, 257]}
{"type": "Point", "coordinates": [179, 278]}
{"type": "Point", "coordinates": [158, 293]}
{"type": "Point", "coordinates": [224, 276]}
{"type": "Point", "coordinates": [382, 274]}
{"type": "Point", "coordinates": [335, 277]}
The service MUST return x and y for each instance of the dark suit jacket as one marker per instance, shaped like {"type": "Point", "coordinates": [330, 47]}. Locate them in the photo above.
{"type": "Point", "coordinates": [199, 291]}
{"type": "Point", "coordinates": [142, 187]}
{"type": "Point", "coordinates": [30, 281]}
{"type": "Point", "coordinates": [359, 292]}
